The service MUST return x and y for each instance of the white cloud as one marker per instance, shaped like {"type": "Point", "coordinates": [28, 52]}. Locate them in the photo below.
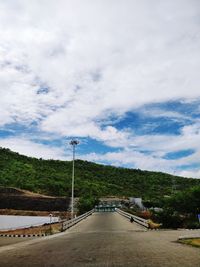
{"type": "Point", "coordinates": [141, 52]}
{"type": "Point", "coordinates": [99, 59]}
{"type": "Point", "coordinates": [131, 158]}
{"type": "Point", "coordinates": [190, 174]}
{"type": "Point", "coordinates": [148, 151]}
{"type": "Point", "coordinates": [27, 147]}
{"type": "Point", "coordinates": [154, 112]}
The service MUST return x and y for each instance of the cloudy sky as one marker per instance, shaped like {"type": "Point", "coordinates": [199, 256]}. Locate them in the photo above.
{"type": "Point", "coordinates": [122, 76]}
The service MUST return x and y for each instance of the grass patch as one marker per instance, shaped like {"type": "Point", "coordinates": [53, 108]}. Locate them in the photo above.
{"type": "Point", "coordinates": [195, 242]}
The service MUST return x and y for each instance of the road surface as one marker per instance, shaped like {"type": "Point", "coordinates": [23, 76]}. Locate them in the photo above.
{"type": "Point", "coordinates": [103, 239]}
{"type": "Point", "coordinates": [4, 241]}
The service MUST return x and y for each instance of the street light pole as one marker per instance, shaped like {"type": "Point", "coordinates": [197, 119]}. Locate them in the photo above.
{"type": "Point", "coordinates": [73, 143]}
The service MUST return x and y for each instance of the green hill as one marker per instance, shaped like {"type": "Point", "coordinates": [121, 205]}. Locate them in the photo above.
{"type": "Point", "coordinates": [53, 177]}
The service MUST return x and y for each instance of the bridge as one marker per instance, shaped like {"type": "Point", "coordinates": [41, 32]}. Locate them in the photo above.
{"type": "Point", "coordinates": [102, 239]}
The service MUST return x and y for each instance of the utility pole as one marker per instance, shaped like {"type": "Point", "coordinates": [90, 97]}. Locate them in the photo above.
{"type": "Point", "coordinates": [73, 143]}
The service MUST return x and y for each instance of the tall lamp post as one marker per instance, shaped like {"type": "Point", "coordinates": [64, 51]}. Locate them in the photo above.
{"type": "Point", "coordinates": [73, 143]}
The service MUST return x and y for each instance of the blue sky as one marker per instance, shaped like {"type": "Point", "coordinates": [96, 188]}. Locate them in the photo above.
{"type": "Point", "coordinates": [122, 78]}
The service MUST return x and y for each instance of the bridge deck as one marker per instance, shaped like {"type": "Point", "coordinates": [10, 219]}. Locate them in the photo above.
{"type": "Point", "coordinates": [104, 239]}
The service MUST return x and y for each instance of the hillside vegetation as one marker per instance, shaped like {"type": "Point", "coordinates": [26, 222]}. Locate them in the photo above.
{"type": "Point", "coordinates": [53, 177]}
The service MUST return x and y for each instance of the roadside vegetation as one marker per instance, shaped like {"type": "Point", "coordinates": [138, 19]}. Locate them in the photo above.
{"type": "Point", "coordinates": [86, 203]}
{"type": "Point", "coordinates": [180, 210]}
{"type": "Point", "coordinates": [195, 242]}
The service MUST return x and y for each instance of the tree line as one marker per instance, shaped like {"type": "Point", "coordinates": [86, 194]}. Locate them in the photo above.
{"type": "Point", "coordinates": [53, 177]}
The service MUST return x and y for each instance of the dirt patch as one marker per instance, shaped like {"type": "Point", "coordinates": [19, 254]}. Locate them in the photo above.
{"type": "Point", "coordinates": [17, 191]}
{"type": "Point", "coordinates": [17, 199]}
{"type": "Point", "coordinates": [36, 230]}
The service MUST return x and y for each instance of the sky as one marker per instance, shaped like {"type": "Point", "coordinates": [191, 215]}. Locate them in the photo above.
{"type": "Point", "coordinates": [121, 76]}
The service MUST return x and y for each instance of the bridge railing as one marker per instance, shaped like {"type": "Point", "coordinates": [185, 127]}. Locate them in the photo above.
{"type": "Point", "coordinates": [136, 219]}
{"type": "Point", "coordinates": [70, 223]}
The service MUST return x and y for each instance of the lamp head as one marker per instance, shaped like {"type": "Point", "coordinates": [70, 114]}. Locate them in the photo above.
{"type": "Point", "coordinates": [74, 142]}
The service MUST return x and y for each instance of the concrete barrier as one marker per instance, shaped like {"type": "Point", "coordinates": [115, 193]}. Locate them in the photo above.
{"type": "Point", "coordinates": [136, 219]}
{"type": "Point", "coordinates": [28, 235]}
{"type": "Point", "coordinates": [65, 225]}
{"type": "Point", "coordinates": [70, 223]}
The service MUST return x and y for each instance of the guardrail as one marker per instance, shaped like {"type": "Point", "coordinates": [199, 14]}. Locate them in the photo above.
{"type": "Point", "coordinates": [70, 223]}
{"type": "Point", "coordinates": [136, 219]}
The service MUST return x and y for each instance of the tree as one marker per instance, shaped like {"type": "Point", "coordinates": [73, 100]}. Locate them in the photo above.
{"type": "Point", "coordinates": [86, 203]}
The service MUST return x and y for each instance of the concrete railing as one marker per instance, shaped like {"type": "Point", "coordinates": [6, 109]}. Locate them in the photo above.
{"type": "Point", "coordinates": [136, 219]}
{"type": "Point", "coordinates": [70, 223]}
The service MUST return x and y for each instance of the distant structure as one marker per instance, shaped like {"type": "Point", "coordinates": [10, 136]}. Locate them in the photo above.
{"type": "Point", "coordinates": [108, 204]}
{"type": "Point", "coordinates": [137, 201]}
{"type": "Point", "coordinates": [113, 201]}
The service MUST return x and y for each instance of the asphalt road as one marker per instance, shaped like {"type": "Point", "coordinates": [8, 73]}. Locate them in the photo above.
{"type": "Point", "coordinates": [104, 239]}
{"type": "Point", "coordinates": [4, 241]}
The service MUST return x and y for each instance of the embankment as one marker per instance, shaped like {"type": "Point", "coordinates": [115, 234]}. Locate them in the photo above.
{"type": "Point", "coordinates": [16, 199]}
